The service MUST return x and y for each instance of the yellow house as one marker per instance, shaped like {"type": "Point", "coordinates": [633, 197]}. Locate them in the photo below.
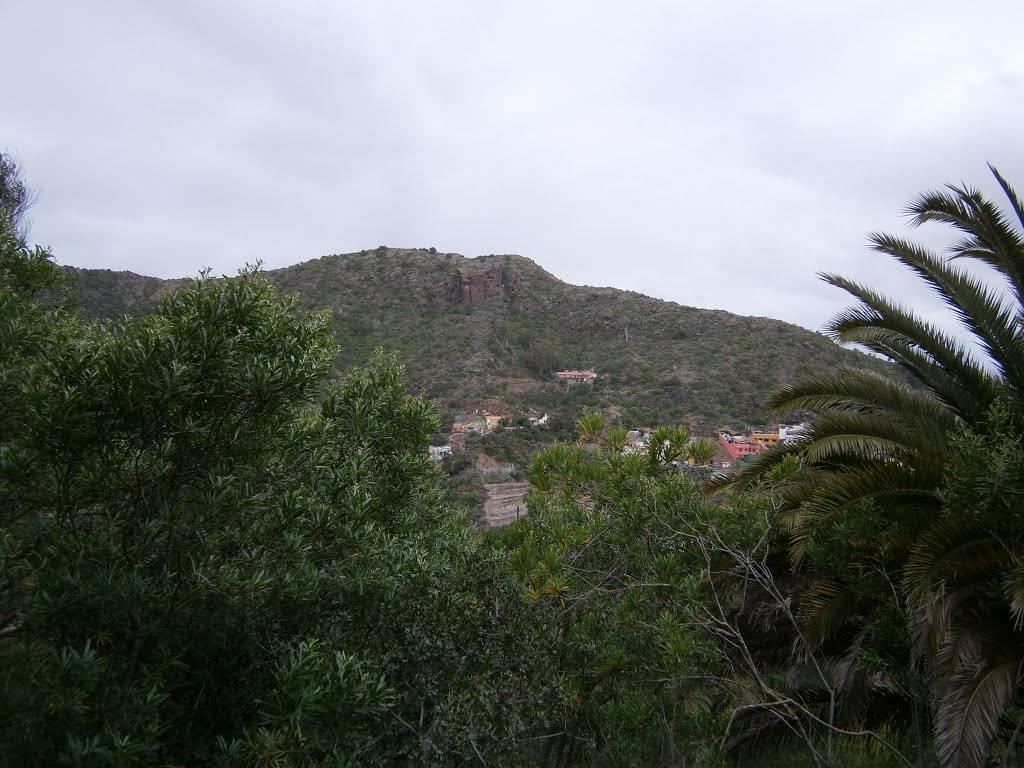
{"type": "Point", "coordinates": [494, 420]}
{"type": "Point", "coordinates": [766, 439]}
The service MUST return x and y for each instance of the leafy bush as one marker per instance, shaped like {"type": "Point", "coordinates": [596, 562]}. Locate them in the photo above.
{"type": "Point", "coordinates": [214, 556]}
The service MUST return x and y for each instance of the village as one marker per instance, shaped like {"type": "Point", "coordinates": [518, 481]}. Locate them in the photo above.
{"type": "Point", "coordinates": [734, 448]}
{"type": "Point", "coordinates": [504, 483]}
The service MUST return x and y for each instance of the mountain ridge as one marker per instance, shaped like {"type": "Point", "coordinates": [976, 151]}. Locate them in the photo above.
{"type": "Point", "coordinates": [494, 328]}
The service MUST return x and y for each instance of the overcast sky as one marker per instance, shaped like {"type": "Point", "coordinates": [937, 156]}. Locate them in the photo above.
{"type": "Point", "coordinates": [716, 154]}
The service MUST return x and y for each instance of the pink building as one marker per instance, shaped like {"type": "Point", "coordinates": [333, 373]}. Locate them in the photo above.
{"type": "Point", "coordinates": [737, 448]}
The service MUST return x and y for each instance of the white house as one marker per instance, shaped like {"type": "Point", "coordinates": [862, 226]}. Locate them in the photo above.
{"type": "Point", "coordinates": [439, 452]}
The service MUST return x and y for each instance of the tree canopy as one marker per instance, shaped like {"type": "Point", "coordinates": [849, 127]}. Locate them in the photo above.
{"type": "Point", "coordinates": [213, 554]}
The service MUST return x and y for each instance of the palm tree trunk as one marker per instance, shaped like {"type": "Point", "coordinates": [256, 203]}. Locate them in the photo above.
{"type": "Point", "coordinates": [922, 729]}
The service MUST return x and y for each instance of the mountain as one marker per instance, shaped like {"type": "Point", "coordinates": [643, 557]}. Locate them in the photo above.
{"type": "Point", "coordinates": [491, 331]}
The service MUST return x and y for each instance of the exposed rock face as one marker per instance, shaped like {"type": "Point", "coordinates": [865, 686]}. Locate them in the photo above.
{"type": "Point", "coordinates": [468, 286]}
{"type": "Point", "coordinates": [471, 284]}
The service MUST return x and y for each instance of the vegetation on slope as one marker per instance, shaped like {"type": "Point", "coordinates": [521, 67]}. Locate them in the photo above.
{"type": "Point", "coordinates": [495, 328]}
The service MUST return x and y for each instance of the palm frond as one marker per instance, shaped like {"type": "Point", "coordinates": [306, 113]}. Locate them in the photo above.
{"type": "Point", "coordinates": [1011, 196]}
{"type": "Point", "coordinates": [850, 437]}
{"type": "Point", "coordinates": [864, 392]}
{"type": "Point", "coordinates": [895, 484]}
{"type": "Point", "coordinates": [954, 550]}
{"type": "Point", "coordinates": [825, 606]}
{"type": "Point", "coordinates": [1013, 588]}
{"type": "Point", "coordinates": [900, 490]}
{"type": "Point", "coordinates": [933, 357]}
{"type": "Point", "coordinates": [981, 311]}
{"type": "Point", "coordinates": [967, 402]}
{"type": "Point", "coordinates": [752, 473]}
{"type": "Point", "coordinates": [990, 238]}
{"type": "Point", "coordinates": [967, 715]}
{"type": "Point", "coordinates": [937, 636]}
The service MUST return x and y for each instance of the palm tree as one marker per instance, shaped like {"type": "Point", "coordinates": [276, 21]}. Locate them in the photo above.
{"type": "Point", "coordinates": [667, 446]}
{"type": "Point", "coordinates": [591, 425]}
{"type": "Point", "coordinates": [617, 439]}
{"type": "Point", "coordinates": [887, 445]}
{"type": "Point", "coordinates": [703, 452]}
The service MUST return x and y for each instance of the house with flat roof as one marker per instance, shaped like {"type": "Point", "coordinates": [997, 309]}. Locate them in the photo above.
{"type": "Point", "coordinates": [577, 377]}
{"type": "Point", "coordinates": [738, 447]}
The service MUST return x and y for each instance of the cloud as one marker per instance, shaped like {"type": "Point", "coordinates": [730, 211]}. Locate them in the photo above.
{"type": "Point", "coordinates": [713, 154]}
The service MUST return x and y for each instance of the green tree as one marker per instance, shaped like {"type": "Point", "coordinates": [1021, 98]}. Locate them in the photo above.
{"type": "Point", "coordinates": [878, 449]}
{"type": "Point", "coordinates": [15, 196]}
{"type": "Point", "coordinates": [212, 555]}
{"type": "Point", "coordinates": [676, 641]}
{"type": "Point", "coordinates": [601, 554]}
{"type": "Point", "coordinates": [703, 452]}
{"type": "Point", "coordinates": [617, 438]}
{"type": "Point", "coordinates": [592, 425]}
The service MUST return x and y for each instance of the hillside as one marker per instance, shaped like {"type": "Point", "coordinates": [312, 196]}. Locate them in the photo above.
{"type": "Point", "coordinates": [492, 330]}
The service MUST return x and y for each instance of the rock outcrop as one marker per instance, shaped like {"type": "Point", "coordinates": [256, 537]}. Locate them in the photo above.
{"type": "Point", "coordinates": [477, 282]}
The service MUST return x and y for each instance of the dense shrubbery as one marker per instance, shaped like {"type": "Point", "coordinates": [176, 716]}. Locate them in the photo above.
{"type": "Point", "coordinates": [213, 556]}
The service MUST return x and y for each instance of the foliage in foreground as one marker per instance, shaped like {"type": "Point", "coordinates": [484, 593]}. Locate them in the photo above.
{"type": "Point", "coordinates": [934, 473]}
{"type": "Point", "coordinates": [211, 556]}
{"type": "Point", "coordinates": [676, 639]}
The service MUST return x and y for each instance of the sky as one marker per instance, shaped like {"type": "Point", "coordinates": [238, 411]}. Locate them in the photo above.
{"type": "Point", "coordinates": [716, 154]}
